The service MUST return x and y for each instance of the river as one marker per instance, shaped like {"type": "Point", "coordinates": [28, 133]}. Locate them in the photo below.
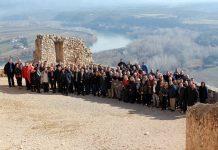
{"type": "Point", "coordinates": [109, 40]}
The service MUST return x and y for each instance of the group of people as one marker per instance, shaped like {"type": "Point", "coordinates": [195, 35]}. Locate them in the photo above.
{"type": "Point", "coordinates": [131, 83]}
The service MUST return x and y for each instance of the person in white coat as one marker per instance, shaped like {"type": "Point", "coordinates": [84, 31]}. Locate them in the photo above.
{"type": "Point", "coordinates": [45, 82]}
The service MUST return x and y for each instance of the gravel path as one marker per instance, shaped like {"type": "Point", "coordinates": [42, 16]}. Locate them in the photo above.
{"type": "Point", "coordinates": [47, 121]}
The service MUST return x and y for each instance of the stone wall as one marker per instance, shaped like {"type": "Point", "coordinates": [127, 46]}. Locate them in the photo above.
{"type": "Point", "coordinates": [2, 73]}
{"type": "Point", "coordinates": [64, 50]}
{"type": "Point", "coordinates": [202, 127]}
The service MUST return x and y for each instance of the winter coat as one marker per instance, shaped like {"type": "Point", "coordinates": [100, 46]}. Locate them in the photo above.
{"type": "Point", "coordinates": [9, 69]}
{"type": "Point", "coordinates": [52, 76]}
{"type": "Point", "coordinates": [18, 72]}
{"type": "Point", "coordinates": [192, 97]}
{"type": "Point", "coordinates": [109, 81]}
{"type": "Point", "coordinates": [172, 91]}
{"type": "Point", "coordinates": [203, 93]}
{"type": "Point", "coordinates": [44, 77]}
{"type": "Point", "coordinates": [67, 77]}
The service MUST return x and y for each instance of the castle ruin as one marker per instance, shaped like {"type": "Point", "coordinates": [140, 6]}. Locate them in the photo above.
{"type": "Point", "coordinates": [63, 50]}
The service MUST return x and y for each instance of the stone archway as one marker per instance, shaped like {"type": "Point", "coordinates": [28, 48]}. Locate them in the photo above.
{"type": "Point", "coordinates": [59, 51]}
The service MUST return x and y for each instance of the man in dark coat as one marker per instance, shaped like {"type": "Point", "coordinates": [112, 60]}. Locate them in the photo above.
{"type": "Point", "coordinates": [164, 92]}
{"type": "Point", "coordinates": [71, 87]}
{"type": "Point", "coordinates": [144, 90]}
{"type": "Point", "coordinates": [52, 79]}
{"type": "Point", "coordinates": [186, 96]}
{"type": "Point", "coordinates": [87, 82]}
{"type": "Point", "coordinates": [203, 92]}
{"type": "Point", "coordinates": [122, 64]}
{"type": "Point", "coordinates": [176, 74]}
{"type": "Point", "coordinates": [18, 75]}
{"type": "Point", "coordinates": [38, 79]}
{"type": "Point", "coordinates": [172, 91]}
{"type": "Point", "coordinates": [33, 79]}
{"type": "Point", "coordinates": [58, 77]}
{"type": "Point", "coordinates": [66, 81]}
{"type": "Point", "coordinates": [182, 97]}
{"type": "Point", "coordinates": [193, 95]}
{"type": "Point", "coordinates": [81, 79]}
{"type": "Point", "coordinates": [9, 71]}
{"type": "Point", "coordinates": [109, 80]}
{"type": "Point", "coordinates": [75, 79]}
{"type": "Point", "coordinates": [131, 90]}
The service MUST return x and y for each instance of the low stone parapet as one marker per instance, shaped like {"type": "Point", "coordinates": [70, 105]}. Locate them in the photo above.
{"type": "Point", "coordinates": [202, 127]}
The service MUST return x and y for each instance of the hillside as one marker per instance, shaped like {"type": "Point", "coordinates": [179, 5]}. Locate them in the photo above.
{"type": "Point", "coordinates": [18, 38]}
{"type": "Point", "coordinates": [164, 48]}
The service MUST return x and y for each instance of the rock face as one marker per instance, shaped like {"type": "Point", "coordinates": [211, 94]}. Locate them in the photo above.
{"type": "Point", "coordinates": [2, 73]}
{"type": "Point", "coordinates": [202, 127]}
{"type": "Point", "coordinates": [63, 50]}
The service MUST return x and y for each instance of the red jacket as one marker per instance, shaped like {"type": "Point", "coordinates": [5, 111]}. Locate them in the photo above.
{"type": "Point", "coordinates": [125, 83]}
{"type": "Point", "coordinates": [24, 71]}
{"type": "Point", "coordinates": [29, 69]}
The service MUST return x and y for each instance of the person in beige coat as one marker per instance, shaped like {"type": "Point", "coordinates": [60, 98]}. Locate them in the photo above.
{"type": "Point", "coordinates": [44, 80]}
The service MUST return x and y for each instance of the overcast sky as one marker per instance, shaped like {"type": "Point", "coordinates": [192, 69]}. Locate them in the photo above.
{"type": "Point", "coordinates": [101, 2]}
{"type": "Point", "coordinates": [71, 4]}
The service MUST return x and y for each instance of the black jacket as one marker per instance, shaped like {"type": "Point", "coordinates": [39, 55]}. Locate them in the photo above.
{"type": "Point", "coordinates": [132, 88]}
{"type": "Point", "coordinates": [81, 77]}
{"type": "Point", "coordinates": [203, 93]}
{"type": "Point", "coordinates": [109, 81]}
{"type": "Point", "coordinates": [58, 75]}
{"type": "Point", "coordinates": [122, 64]}
{"type": "Point", "coordinates": [7, 69]}
{"type": "Point", "coordinates": [172, 91]}
{"type": "Point", "coordinates": [18, 72]}
{"type": "Point", "coordinates": [75, 76]}
{"type": "Point", "coordinates": [67, 77]}
{"type": "Point", "coordinates": [181, 93]}
{"type": "Point", "coordinates": [52, 77]}
{"type": "Point", "coordinates": [192, 97]}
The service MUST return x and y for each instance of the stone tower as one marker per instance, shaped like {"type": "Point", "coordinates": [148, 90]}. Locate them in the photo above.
{"type": "Point", "coordinates": [56, 49]}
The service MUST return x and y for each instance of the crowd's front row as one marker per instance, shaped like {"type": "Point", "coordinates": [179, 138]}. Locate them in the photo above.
{"type": "Point", "coordinates": [128, 83]}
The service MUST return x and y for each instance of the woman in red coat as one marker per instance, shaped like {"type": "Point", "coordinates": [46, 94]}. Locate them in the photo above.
{"type": "Point", "coordinates": [124, 92]}
{"type": "Point", "coordinates": [24, 75]}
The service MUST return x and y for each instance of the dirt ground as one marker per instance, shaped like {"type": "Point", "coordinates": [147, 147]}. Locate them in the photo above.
{"type": "Point", "coordinates": [32, 121]}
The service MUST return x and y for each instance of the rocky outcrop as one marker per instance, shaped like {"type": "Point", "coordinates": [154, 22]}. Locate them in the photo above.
{"type": "Point", "coordinates": [202, 127]}
{"type": "Point", "coordinates": [2, 73]}
{"type": "Point", "coordinates": [64, 50]}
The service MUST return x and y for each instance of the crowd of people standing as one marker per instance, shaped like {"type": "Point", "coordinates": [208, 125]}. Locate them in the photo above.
{"type": "Point", "coordinates": [131, 83]}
